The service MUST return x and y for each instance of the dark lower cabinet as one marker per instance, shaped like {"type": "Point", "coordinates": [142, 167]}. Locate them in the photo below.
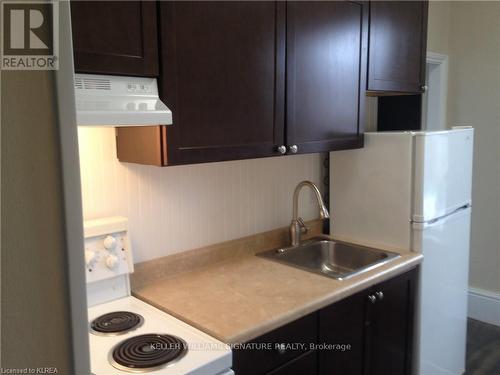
{"type": "Point", "coordinates": [343, 323]}
{"type": "Point", "coordinates": [325, 85]}
{"type": "Point", "coordinates": [377, 323]}
{"type": "Point", "coordinates": [397, 46]}
{"type": "Point", "coordinates": [115, 37]}
{"type": "Point", "coordinates": [368, 333]}
{"type": "Point", "coordinates": [390, 326]}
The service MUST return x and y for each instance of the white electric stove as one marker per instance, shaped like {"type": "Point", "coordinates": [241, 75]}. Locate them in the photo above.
{"type": "Point", "coordinates": [128, 335]}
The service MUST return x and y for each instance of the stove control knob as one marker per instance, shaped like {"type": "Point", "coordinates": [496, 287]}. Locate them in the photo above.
{"type": "Point", "coordinates": [109, 243]}
{"type": "Point", "coordinates": [90, 258]}
{"type": "Point", "coordinates": [111, 261]}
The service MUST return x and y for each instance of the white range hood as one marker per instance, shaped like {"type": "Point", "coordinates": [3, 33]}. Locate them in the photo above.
{"type": "Point", "coordinates": [103, 100]}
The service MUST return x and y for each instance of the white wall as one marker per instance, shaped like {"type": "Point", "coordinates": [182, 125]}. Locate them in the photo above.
{"type": "Point", "coordinates": [438, 27]}
{"type": "Point", "coordinates": [469, 32]}
{"type": "Point", "coordinates": [474, 99]}
{"type": "Point", "coordinates": [36, 317]}
{"type": "Point", "coordinates": [179, 208]}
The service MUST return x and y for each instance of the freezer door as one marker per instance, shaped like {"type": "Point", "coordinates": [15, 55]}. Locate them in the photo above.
{"type": "Point", "coordinates": [443, 285]}
{"type": "Point", "coordinates": [371, 190]}
{"type": "Point", "coordinates": [443, 172]}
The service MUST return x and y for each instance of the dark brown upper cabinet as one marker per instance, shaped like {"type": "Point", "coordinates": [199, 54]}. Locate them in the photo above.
{"type": "Point", "coordinates": [115, 37]}
{"type": "Point", "coordinates": [223, 78]}
{"type": "Point", "coordinates": [397, 46]}
{"type": "Point", "coordinates": [325, 64]}
{"type": "Point", "coordinates": [243, 79]}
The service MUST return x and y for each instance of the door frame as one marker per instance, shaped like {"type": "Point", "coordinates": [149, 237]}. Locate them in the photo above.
{"type": "Point", "coordinates": [434, 99]}
{"type": "Point", "coordinates": [72, 197]}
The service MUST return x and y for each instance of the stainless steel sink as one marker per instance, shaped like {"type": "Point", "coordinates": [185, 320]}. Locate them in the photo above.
{"type": "Point", "coordinates": [338, 260]}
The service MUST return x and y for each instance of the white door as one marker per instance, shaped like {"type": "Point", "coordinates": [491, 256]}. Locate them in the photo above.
{"type": "Point", "coordinates": [442, 305]}
{"type": "Point", "coordinates": [443, 172]}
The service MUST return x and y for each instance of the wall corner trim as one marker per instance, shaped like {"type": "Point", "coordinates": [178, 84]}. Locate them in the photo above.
{"type": "Point", "coordinates": [484, 305]}
{"type": "Point", "coordinates": [435, 58]}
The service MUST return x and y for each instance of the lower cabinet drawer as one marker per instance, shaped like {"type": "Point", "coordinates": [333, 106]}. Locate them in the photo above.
{"type": "Point", "coordinates": [277, 347]}
{"type": "Point", "coordinates": [306, 364]}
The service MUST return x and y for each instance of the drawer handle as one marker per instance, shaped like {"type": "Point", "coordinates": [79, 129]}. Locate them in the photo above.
{"type": "Point", "coordinates": [281, 348]}
{"type": "Point", "coordinates": [372, 298]}
{"type": "Point", "coordinates": [380, 295]}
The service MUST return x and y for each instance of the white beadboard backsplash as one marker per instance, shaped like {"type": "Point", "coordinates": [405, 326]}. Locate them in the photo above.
{"type": "Point", "coordinates": [179, 208]}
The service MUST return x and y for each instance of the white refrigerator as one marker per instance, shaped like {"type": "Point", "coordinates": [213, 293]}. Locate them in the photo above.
{"type": "Point", "coordinates": [412, 190]}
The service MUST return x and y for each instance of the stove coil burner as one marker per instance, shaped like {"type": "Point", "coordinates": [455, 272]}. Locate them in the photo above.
{"type": "Point", "coordinates": [148, 352]}
{"type": "Point", "coordinates": [116, 323]}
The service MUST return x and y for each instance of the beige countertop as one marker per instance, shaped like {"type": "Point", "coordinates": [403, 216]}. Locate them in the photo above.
{"type": "Point", "coordinates": [240, 298]}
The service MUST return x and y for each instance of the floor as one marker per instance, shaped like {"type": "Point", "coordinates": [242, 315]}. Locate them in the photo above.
{"type": "Point", "coordinates": [483, 348]}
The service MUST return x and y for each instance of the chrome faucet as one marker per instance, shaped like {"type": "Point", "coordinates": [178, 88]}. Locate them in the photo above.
{"type": "Point", "coordinates": [297, 226]}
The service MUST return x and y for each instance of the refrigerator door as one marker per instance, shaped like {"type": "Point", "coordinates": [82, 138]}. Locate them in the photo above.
{"type": "Point", "coordinates": [442, 172]}
{"type": "Point", "coordinates": [442, 304]}
{"type": "Point", "coordinates": [371, 191]}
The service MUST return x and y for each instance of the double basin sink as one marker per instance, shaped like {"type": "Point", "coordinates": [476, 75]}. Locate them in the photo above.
{"type": "Point", "coordinates": [334, 259]}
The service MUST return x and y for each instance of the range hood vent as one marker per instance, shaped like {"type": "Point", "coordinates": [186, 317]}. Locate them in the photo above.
{"type": "Point", "coordinates": [87, 83]}
{"type": "Point", "coordinates": [119, 101]}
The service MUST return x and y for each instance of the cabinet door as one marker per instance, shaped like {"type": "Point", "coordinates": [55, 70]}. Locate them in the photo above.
{"type": "Point", "coordinates": [391, 319]}
{"type": "Point", "coordinates": [343, 323]}
{"type": "Point", "coordinates": [305, 364]}
{"type": "Point", "coordinates": [326, 61]}
{"type": "Point", "coordinates": [115, 37]}
{"type": "Point", "coordinates": [398, 41]}
{"type": "Point", "coordinates": [283, 347]}
{"type": "Point", "coordinates": [223, 77]}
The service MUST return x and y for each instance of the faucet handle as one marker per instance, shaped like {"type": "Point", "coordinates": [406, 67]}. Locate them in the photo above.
{"type": "Point", "coordinates": [303, 227]}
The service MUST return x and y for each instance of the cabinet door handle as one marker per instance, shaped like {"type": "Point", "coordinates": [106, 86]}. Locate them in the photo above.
{"type": "Point", "coordinates": [281, 348]}
{"type": "Point", "coordinates": [294, 148]}
{"type": "Point", "coordinates": [423, 88]}
{"type": "Point", "coordinates": [281, 149]}
{"type": "Point", "coordinates": [380, 295]}
{"type": "Point", "coordinates": [372, 298]}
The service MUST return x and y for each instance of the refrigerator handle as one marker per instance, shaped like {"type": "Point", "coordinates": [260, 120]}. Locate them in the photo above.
{"type": "Point", "coordinates": [439, 220]}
